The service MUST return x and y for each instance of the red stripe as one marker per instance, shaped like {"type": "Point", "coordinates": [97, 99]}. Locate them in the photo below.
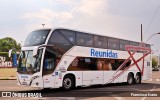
{"type": "Point", "coordinates": [135, 48]}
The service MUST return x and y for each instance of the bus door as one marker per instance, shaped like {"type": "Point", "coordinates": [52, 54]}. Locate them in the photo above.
{"type": "Point", "coordinates": [91, 74]}
{"type": "Point", "coordinates": [49, 64]}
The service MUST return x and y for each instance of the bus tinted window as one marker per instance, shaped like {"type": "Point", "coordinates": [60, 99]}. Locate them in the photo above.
{"type": "Point", "coordinates": [123, 43]}
{"type": "Point", "coordinates": [76, 65]}
{"type": "Point", "coordinates": [90, 64]}
{"type": "Point", "coordinates": [84, 39]}
{"type": "Point", "coordinates": [49, 62]}
{"type": "Point", "coordinates": [59, 41]}
{"type": "Point", "coordinates": [100, 42]}
{"type": "Point", "coordinates": [113, 43]}
{"type": "Point", "coordinates": [82, 63]}
{"type": "Point", "coordinates": [148, 45]}
{"type": "Point", "coordinates": [97, 64]}
{"type": "Point", "coordinates": [70, 35]}
{"type": "Point", "coordinates": [134, 43]}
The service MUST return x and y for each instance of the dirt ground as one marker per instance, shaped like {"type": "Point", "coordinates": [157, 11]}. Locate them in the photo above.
{"type": "Point", "coordinates": [8, 72]}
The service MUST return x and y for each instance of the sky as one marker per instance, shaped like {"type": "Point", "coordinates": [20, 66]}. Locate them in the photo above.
{"type": "Point", "coordinates": [117, 18]}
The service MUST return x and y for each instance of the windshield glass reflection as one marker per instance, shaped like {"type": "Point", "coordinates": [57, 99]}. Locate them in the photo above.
{"type": "Point", "coordinates": [28, 64]}
{"type": "Point", "coordinates": [36, 37]}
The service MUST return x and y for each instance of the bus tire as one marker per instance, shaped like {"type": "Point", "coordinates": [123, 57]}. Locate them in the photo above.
{"type": "Point", "coordinates": [68, 82]}
{"type": "Point", "coordinates": [130, 79]}
{"type": "Point", "coordinates": [138, 79]}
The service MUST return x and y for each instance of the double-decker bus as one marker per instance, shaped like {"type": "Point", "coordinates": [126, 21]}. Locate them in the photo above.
{"type": "Point", "coordinates": [54, 58]}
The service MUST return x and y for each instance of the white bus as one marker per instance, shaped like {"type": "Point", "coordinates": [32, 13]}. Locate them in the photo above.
{"type": "Point", "coordinates": [54, 58]}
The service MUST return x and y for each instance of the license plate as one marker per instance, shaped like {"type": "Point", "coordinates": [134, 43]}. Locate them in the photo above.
{"type": "Point", "coordinates": [24, 83]}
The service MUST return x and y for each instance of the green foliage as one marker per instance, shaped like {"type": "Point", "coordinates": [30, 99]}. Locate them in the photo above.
{"type": "Point", "coordinates": [5, 54]}
{"type": "Point", "coordinates": [8, 43]}
{"type": "Point", "coordinates": [154, 62]}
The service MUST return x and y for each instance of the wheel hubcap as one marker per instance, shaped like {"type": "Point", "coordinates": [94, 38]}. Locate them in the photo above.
{"type": "Point", "coordinates": [130, 80]}
{"type": "Point", "coordinates": [67, 83]}
{"type": "Point", "coordinates": [137, 79]}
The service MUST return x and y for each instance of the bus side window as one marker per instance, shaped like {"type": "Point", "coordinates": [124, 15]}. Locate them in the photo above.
{"type": "Point", "coordinates": [107, 65]}
{"type": "Point", "coordinates": [115, 64]}
{"type": "Point", "coordinates": [60, 41]}
{"type": "Point", "coordinates": [87, 64]}
{"type": "Point", "coordinates": [49, 62]}
{"type": "Point", "coordinates": [90, 64]}
{"type": "Point", "coordinates": [123, 43]}
{"type": "Point", "coordinates": [100, 41]}
{"type": "Point", "coordinates": [113, 43]}
{"type": "Point", "coordinates": [126, 65]}
{"type": "Point", "coordinates": [76, 65]}
{"type": "Point", "coordinates": [70, 35]}
{"type": "Point", "coordinates": [83, 39]}
{"type": "Point", "coordinates": [104, 64]}
{"type": "Point", "coordinates": [100, 65]}
{"type": "Point", "coordinates": [57, 61]}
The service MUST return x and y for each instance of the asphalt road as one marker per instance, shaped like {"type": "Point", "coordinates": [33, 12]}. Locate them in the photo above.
{"type": "Point", "coordinates": [120, 91]}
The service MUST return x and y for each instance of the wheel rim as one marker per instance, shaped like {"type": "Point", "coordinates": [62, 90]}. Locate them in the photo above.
{"type": "Point", "coordinates": [137, 79]}
{"type": "Point", "coordinates": [130, 80]}
{"type": "Point", "coordinates": [67, 83]}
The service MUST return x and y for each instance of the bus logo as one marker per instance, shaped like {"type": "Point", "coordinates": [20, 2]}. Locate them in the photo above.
{"type": "Point", "coordinates": [106, 54]}
{"type": "Point", "coordinates": [22, 76]}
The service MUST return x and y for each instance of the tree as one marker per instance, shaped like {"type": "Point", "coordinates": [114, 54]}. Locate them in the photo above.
{"type": "Point", "coordinates": [154, 62]}
{"type": "Point", "coordinates": [8, 43]}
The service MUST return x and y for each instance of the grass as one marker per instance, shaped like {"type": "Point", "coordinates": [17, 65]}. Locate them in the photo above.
{"type": "Point", "coordinates": [8, 72]}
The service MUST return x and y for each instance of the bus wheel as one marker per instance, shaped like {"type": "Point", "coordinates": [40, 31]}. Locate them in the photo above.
{"type": "Point", "coordinates": [68, 82]}
{"type": "Point", "coordinates": [138, 78]}
{"type": "Point", "coordinates": [130, 79]}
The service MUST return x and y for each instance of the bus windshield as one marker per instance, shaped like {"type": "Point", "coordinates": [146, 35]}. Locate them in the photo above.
{"type": "Point", "coordinates": [37, 37]}
{"type": "Point", "coordinates": [28, 64]}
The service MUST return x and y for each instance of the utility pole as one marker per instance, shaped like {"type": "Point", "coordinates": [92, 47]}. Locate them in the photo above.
{"type": "Point", "coordinates": [141, 34]}
{"type": "Point", "coordinates": [43, 25]}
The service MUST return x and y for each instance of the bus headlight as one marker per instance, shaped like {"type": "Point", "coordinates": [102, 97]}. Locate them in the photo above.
{"type": "Point", "coordinates": [33, 78]}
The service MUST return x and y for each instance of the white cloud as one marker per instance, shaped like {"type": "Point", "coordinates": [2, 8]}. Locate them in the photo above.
{"type": "Point", "coordinates": [49, 15]}
{"type": "Point", "coordinates": [87, 15]}
{"type": "Point", "coordinates": [64, 16]}
{"type": "Point", "coordinates": [91, 7]}
{"type": "Point", "coordinates": [109, 17]}
{"type": "Point", "coordinates": [86, 7]}
{"type": "Point", "coordinates": [61, 2]}
{"type": "Point", "coordinates": [65, 1]}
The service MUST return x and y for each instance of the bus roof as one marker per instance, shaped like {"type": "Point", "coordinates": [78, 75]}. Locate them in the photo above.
{"type": "Point", "coordinates": [91, 33]}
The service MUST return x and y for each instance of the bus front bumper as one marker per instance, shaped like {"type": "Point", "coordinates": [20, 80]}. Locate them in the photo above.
{"type": "Point", "coordinates": [33, 82]}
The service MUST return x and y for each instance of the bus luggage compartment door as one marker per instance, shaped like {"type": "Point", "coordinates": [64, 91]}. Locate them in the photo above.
{"type": "Point", "coordinates": [92, 77]}
{"type": "Point", "coordinates": [49, 81]}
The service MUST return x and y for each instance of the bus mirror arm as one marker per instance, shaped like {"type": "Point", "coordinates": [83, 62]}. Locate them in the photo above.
{"type": "Point", "coordinates": [10, 52]}
{"type": "Point", "coordinates": [35, 51]}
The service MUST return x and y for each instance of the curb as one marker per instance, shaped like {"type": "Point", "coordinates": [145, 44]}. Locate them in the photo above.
{"type": "Point", "coordinates": [8, 78]}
